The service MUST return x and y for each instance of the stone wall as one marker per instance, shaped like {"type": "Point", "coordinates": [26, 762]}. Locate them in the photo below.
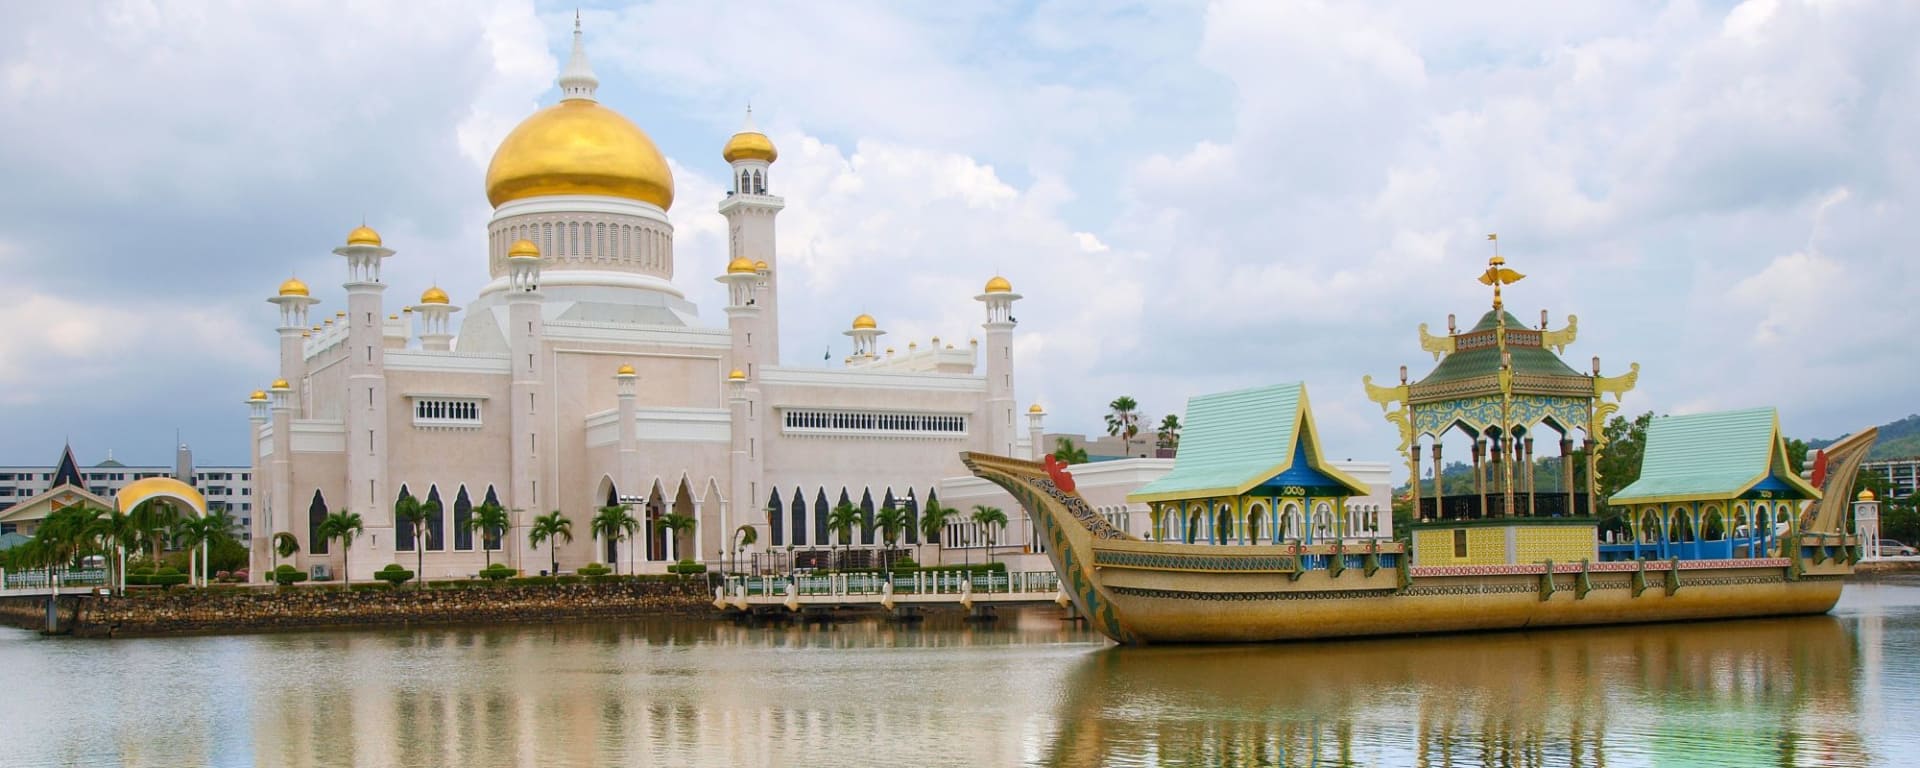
{"type": "Point", "coordinates": [190, 611]}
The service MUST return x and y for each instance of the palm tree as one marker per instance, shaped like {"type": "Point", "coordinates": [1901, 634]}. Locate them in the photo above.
{"type": "Point", "coordinates": [116, 534]}
{"type": "Point", "coordinates": [614, 523]}
{"type": "Point", "coordinates": [491, 521]}
{"type": "Point", "coordinates": [552, 527]}
{"type": "Point", "coordinates": [344, 526]}
{"type": "Point", "coordinates": [933, 520]}
{"type": "Point", "coordinates": [153, 519]}
{"type": "Point", "coordinates": [213, 528]}
{"type": "Point", "coordinates": [1067, 453]}
{"type": "Point", "coordinates": [417, 514]}
{"type": "Point", "coordinates": [988, 517]}
{"type": "Point", "coordinates": [676, 524]}
{"type": "Point", "coordinates": [1168, 438]}
{"type": "Point", "coordinates": [1123, 421]}
{"type": "Point", "coordinates": [890, 521]}
{"type": "Point", "coordinates": [743, 537]}
{"type": "Point", "coordinates": [285, 545]}
{"type": "Point", "coordinates": [842, 520]}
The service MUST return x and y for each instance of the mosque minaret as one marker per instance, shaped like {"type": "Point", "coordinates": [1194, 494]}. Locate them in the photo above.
{"type": "Point", "coordinates": [582, 377]}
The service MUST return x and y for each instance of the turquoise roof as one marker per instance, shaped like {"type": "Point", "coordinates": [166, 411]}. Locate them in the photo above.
{"type": "Point", "coordinates": [1302, 473]}
{"type": "Point", "coordinates": [1233, 441]}
{"type": "Point", "coordinates": [1712, 456]}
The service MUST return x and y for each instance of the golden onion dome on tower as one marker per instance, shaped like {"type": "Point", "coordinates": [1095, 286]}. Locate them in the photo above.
{"type": "Point", "coordinates": [578, 147]}
{"type": "Point", "coordinates": [1036, 409]}
{"type": "Point", "coordinates": [749, 145]}
{"type": "Point", "coordinates": [258, 395]}
{"type": "Point", "coordinates": [737, 375]}
{"type": "Point", "coordinates": [434, 296]}
{"type": "Point", "coordinates": [1866, 494]}
{"type": "Point", "coordinates": [761, 266]}
{"type": "Point", "coordinates": [740, 266]}
{"type": "Point", "coordinates": [280, 384]}
{"type": "Point", "coordinates": [626, 369]}
{"type": "Point", "coordinates": [865, 322]}
{"type": "Point", "coordinates": [999, 285]}
{"type": "Point", "coordinates": [523, 249]}
{"type": "Point", "coordinates": [293, 287]}
{"type": "Point", "coordinates": [363, 235]}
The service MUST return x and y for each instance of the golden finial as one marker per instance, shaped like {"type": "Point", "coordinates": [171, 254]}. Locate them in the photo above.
{"type": "Point", "coordinates": [1497, 274]}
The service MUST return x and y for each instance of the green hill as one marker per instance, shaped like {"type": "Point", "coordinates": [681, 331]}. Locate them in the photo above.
{"type": "Point", "coordinates": [1898, 439]}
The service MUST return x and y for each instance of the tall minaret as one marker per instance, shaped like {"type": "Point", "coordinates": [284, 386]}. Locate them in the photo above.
{"type": "Point", "coordinates": [744, 313]}
{"type": "Point", "coordinates": [744, 467]}
{"type": "Point", "coordinates": [526, 396]}
{"type": "Point", "coordinates": [750, 211]}
{"type": "Point", "coordinates": [1000, 429]}
{"type": "Point", "coordinates": [262, 528]}
{"type": "Point", "coordinates": [1037, 432]}
{"type": "Point", "coordinates": [294, 300]}
{"type": "Point", "coordinates": [365, 406]}
{"type": "Point", "coordinates": [275, 504]}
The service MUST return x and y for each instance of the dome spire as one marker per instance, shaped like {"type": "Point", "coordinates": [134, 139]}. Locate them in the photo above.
{"type": "Point", "coordinates": [577, 80]}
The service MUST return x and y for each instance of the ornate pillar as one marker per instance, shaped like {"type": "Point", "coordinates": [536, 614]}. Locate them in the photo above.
{"type": "Point", "coordinates": [1566, 468]}
{"type": "Point", "coordinates": [1439, 485]}
{"type": "Point", "coordinates": [1479, 476]}
{"type": "Point", "coordinates": [1529, 465]}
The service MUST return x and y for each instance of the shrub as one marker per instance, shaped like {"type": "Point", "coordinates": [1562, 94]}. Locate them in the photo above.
{"type": "Point", "coordinates": [594, 569]}
{"type": "Point", "coordinates": [531, 581]}
{"type": "Point", "coordinates": [687, 568]}
{"type": "Point", "coordinates": [164, 576]}
{"type": "Point", "coordinates": [904, 563]}
{"type": "Point", "coordinates": [393, 574]}
{"type": "Point", "coordinates": [497, 572]}
{"type": "Point", "coordinates": [287, 575]}
{"type": "Point", "coordinates": [365, 587]}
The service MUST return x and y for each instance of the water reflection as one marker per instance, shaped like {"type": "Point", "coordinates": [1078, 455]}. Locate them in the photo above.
{"type": "Point", "coordinates": [1033, 690]}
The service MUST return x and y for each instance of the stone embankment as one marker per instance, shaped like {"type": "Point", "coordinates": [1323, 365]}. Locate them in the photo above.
{"type": "Point", "coordinates": [191, 611]}
{"type": "Point", "coordinates": [1877, 567]}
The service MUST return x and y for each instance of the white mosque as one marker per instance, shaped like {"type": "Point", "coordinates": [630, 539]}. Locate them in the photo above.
{"type": "Point", "coordinates": [579, 377]}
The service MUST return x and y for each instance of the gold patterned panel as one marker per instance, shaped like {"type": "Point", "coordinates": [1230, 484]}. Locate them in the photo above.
{"type": "Point", "coordinates": [1559, 543]}
{"type": "Point", "coordinates": [1486, 546]}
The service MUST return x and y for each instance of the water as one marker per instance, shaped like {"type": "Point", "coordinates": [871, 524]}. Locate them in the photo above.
{"type": "Point", "coordinates": [1839, 690]}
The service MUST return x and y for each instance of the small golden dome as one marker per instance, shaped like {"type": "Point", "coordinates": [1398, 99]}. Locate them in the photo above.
{"type": "Point", "coordinates": [341, 313]}
{"type": "Point", "coordinates": [865, 322]}
{"type": "Point", "coordinates": [434, 296]}
{"type": "Point", "coordinates": [761, 266]}
{"type": "Point", "coordinates": [749, 145]}
{"type": "Point", "coordinates": [999, 285]}
{"type": "Point", "coordinates": [1036, 409]}
{"type": "Point", "coordinates": [258, 395]}
{"type": "Point", "coordinates": [522, 249]}
{"type": "Point", "coordinates": [625, 370]}
{"type": "Point", "coordinates": [578, 147]}
{"type": "Point", "coordinates": [280, 384]}
{"type": "Point", "coordinates": [363, 235]}
{"type": "Point", "coordinates": [740, 266]}
{"type": "Point", "coordinates": [293, 287]}
{"type": "Point", "coordinates": [737, 375]}
{"type": "Point", "coordinates": [1866, 494]}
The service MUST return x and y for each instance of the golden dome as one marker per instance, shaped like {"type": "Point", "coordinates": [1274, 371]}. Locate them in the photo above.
{"type": "Point", "coordinates": [737, 375]}
{"type": "Point", "coordinates": [578, 147]}
{"type": "Point", "coordinates": [280, 384]}
{"type": "Point", "coordinates": [761, 266]}
{"type": "Point", "coordinates": [740, 266]}
{"type": "Point", "coordinates": [1036, 409]}
{"type": "Point", "coordinates": [293, 287]}
{"type": "Point", "coordinates": [258, 395]}
{"type": "Point", "coordinates": [865, 322]}
{"type": "Point", "coordinates": [625, 370]}
{"type": "Point", "coordinates": [999, 285]}
{"type": "Point", "coordinates": [750, 145]}
{"type": "Point", "coordinates": [363, 235]}
{"type": "Point", "coordinates": [1866, 494]}
{"type": "Point", "coordinates": [523, 249]}
{"type": "Point", "coordinates": [434, 296]}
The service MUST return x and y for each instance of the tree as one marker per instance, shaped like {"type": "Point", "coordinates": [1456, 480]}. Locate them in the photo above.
{"type": "Point", "coordinates": [214, 528]}
{"type": "Point", "coordinates": [416, 514]}
{"type": "Point", "coordinates": [1123, 421]}
{"type": "Point", "coordinates": [675, 524]}
{"type": "Point", "coordinates": [285, 545]}
{"type": "Point", "coordinates": [842, 520]}
{"type": "Point", "coordinates": [1066, 452]}
{"type": "Point", "coordinates": [113, 533]}
{"type": "Point", "coordinates": [490, 520]}
{"type": "Point", "coordinates": [344, 526]}
{"type": "Point", "coordinates": [743, 537]}
{"type": "Point", "coordinates": [890, 521]}
{"type": "Point", "coordinates": [614, 523]}
{"type": "Point", "coordinates": [153, 519]}
{"type": "Point", "coordinates": [933, 520]}
{"type": "Point", "coordinates": [552, 528]}
{"type": "Point", "coordinates": [1168, 438]}
{"type": "Point", "coordinates": [988, 518]}
{"type": "Point", "coordinates": [1619, 463]}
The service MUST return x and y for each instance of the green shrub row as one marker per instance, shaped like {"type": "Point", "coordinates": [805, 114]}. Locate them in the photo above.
{"type": "Point", "coordinates": [594, 569]}
{"type": "Point", "coordinates": [393, 574]}
{"type": "Point", "coordinates": [287, 575]}
{"type": "Point", "coordinates": [164, 576]}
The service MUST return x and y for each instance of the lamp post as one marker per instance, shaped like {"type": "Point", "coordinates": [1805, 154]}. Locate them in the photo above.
{"type": "Point", "coordinates": [629, 501]}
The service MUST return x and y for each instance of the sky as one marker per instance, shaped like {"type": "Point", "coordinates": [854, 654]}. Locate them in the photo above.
{"type": "Point", "coordinates": [1191, 196]}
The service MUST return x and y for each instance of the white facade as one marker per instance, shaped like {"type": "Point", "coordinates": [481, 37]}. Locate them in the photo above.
{"type": "Point", "coordinates": [582, 377]}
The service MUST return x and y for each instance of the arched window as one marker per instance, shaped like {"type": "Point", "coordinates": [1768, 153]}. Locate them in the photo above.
{"type": "Point", "coordinates": [759, 184]}
{"type": "Point", "coordinates": [402, 533]}
{"type": "Point", "coordinates": [316, 512]}
{"type": "Point", "coordinates": [462, 521]}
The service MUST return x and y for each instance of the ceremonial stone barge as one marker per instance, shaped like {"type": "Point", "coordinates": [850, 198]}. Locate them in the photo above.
{"type": "Point", "coordinates": [1251, 540]}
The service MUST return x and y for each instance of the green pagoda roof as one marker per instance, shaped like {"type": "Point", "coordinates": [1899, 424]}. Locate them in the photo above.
{"type": "Point", "coordinates": [1710, 456]}
{"type": "Point", "coordinates": [1234, 441]}
{"type": "Point", "coordinates": [1484, 359]}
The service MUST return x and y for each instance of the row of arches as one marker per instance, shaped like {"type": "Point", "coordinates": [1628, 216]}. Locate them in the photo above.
{"type": "Point", "coordinates": [435, 533]}
{"type": "Point", "coordinates": [1267, 522]}
{"type": "Point", "coordinates": [751, 183]}
{"type": "Point", "coordinates": [658, 544]}
{"type": "Point", "coordinates": [1707, 531]}
{"type": "Point", "coordinates": [799, 519]}
{"type": "Point", "coordinates": [589, 241]}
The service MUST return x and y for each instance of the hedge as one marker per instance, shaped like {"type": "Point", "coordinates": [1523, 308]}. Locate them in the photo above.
{"type": "Point", "coordinates": [594, 569]}
{"type": "Point", "coordinates": [393, 574]}
{"type": "Point", "coordinates": [497, 572]}
{"type": "Point", "coordinates": [687, 568]}
{"type": "Point", "coordinates": [164, 576]}
{"type": "Point", "coordinates": [287, 575]}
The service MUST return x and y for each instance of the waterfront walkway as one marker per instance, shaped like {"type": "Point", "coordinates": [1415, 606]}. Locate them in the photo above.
{"type": "Point", "coordinates": [892, 592]}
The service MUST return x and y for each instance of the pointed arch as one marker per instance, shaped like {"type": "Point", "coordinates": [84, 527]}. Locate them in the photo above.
{"type": "Point", "coordinates": [799, 519]}
{"type": "Point", "coordinates": [776, 516]}
{"type": "Point", "coordinates": [933, 497]}
{"type": "Point", "coordinates": [913, 517]}
{"type": "Point", "coordinates": [402, 533]}
{"type": "Point", "coordinates": [316, 512]}
{"type": "Point", "coordinates": [866, 516]}
{"type": "Point", "coordinates": [462, 521]}
{"type": "Point", "coordinates": [436, 522]}
{"type": "Point", "coordinates": [650, 523]}
{"type": "Point", "coordinates": [682, 506]}
{"type": "Point", "coordinates": [820, 510]}
{"type": "Point", "coordinates": [492, 539]}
